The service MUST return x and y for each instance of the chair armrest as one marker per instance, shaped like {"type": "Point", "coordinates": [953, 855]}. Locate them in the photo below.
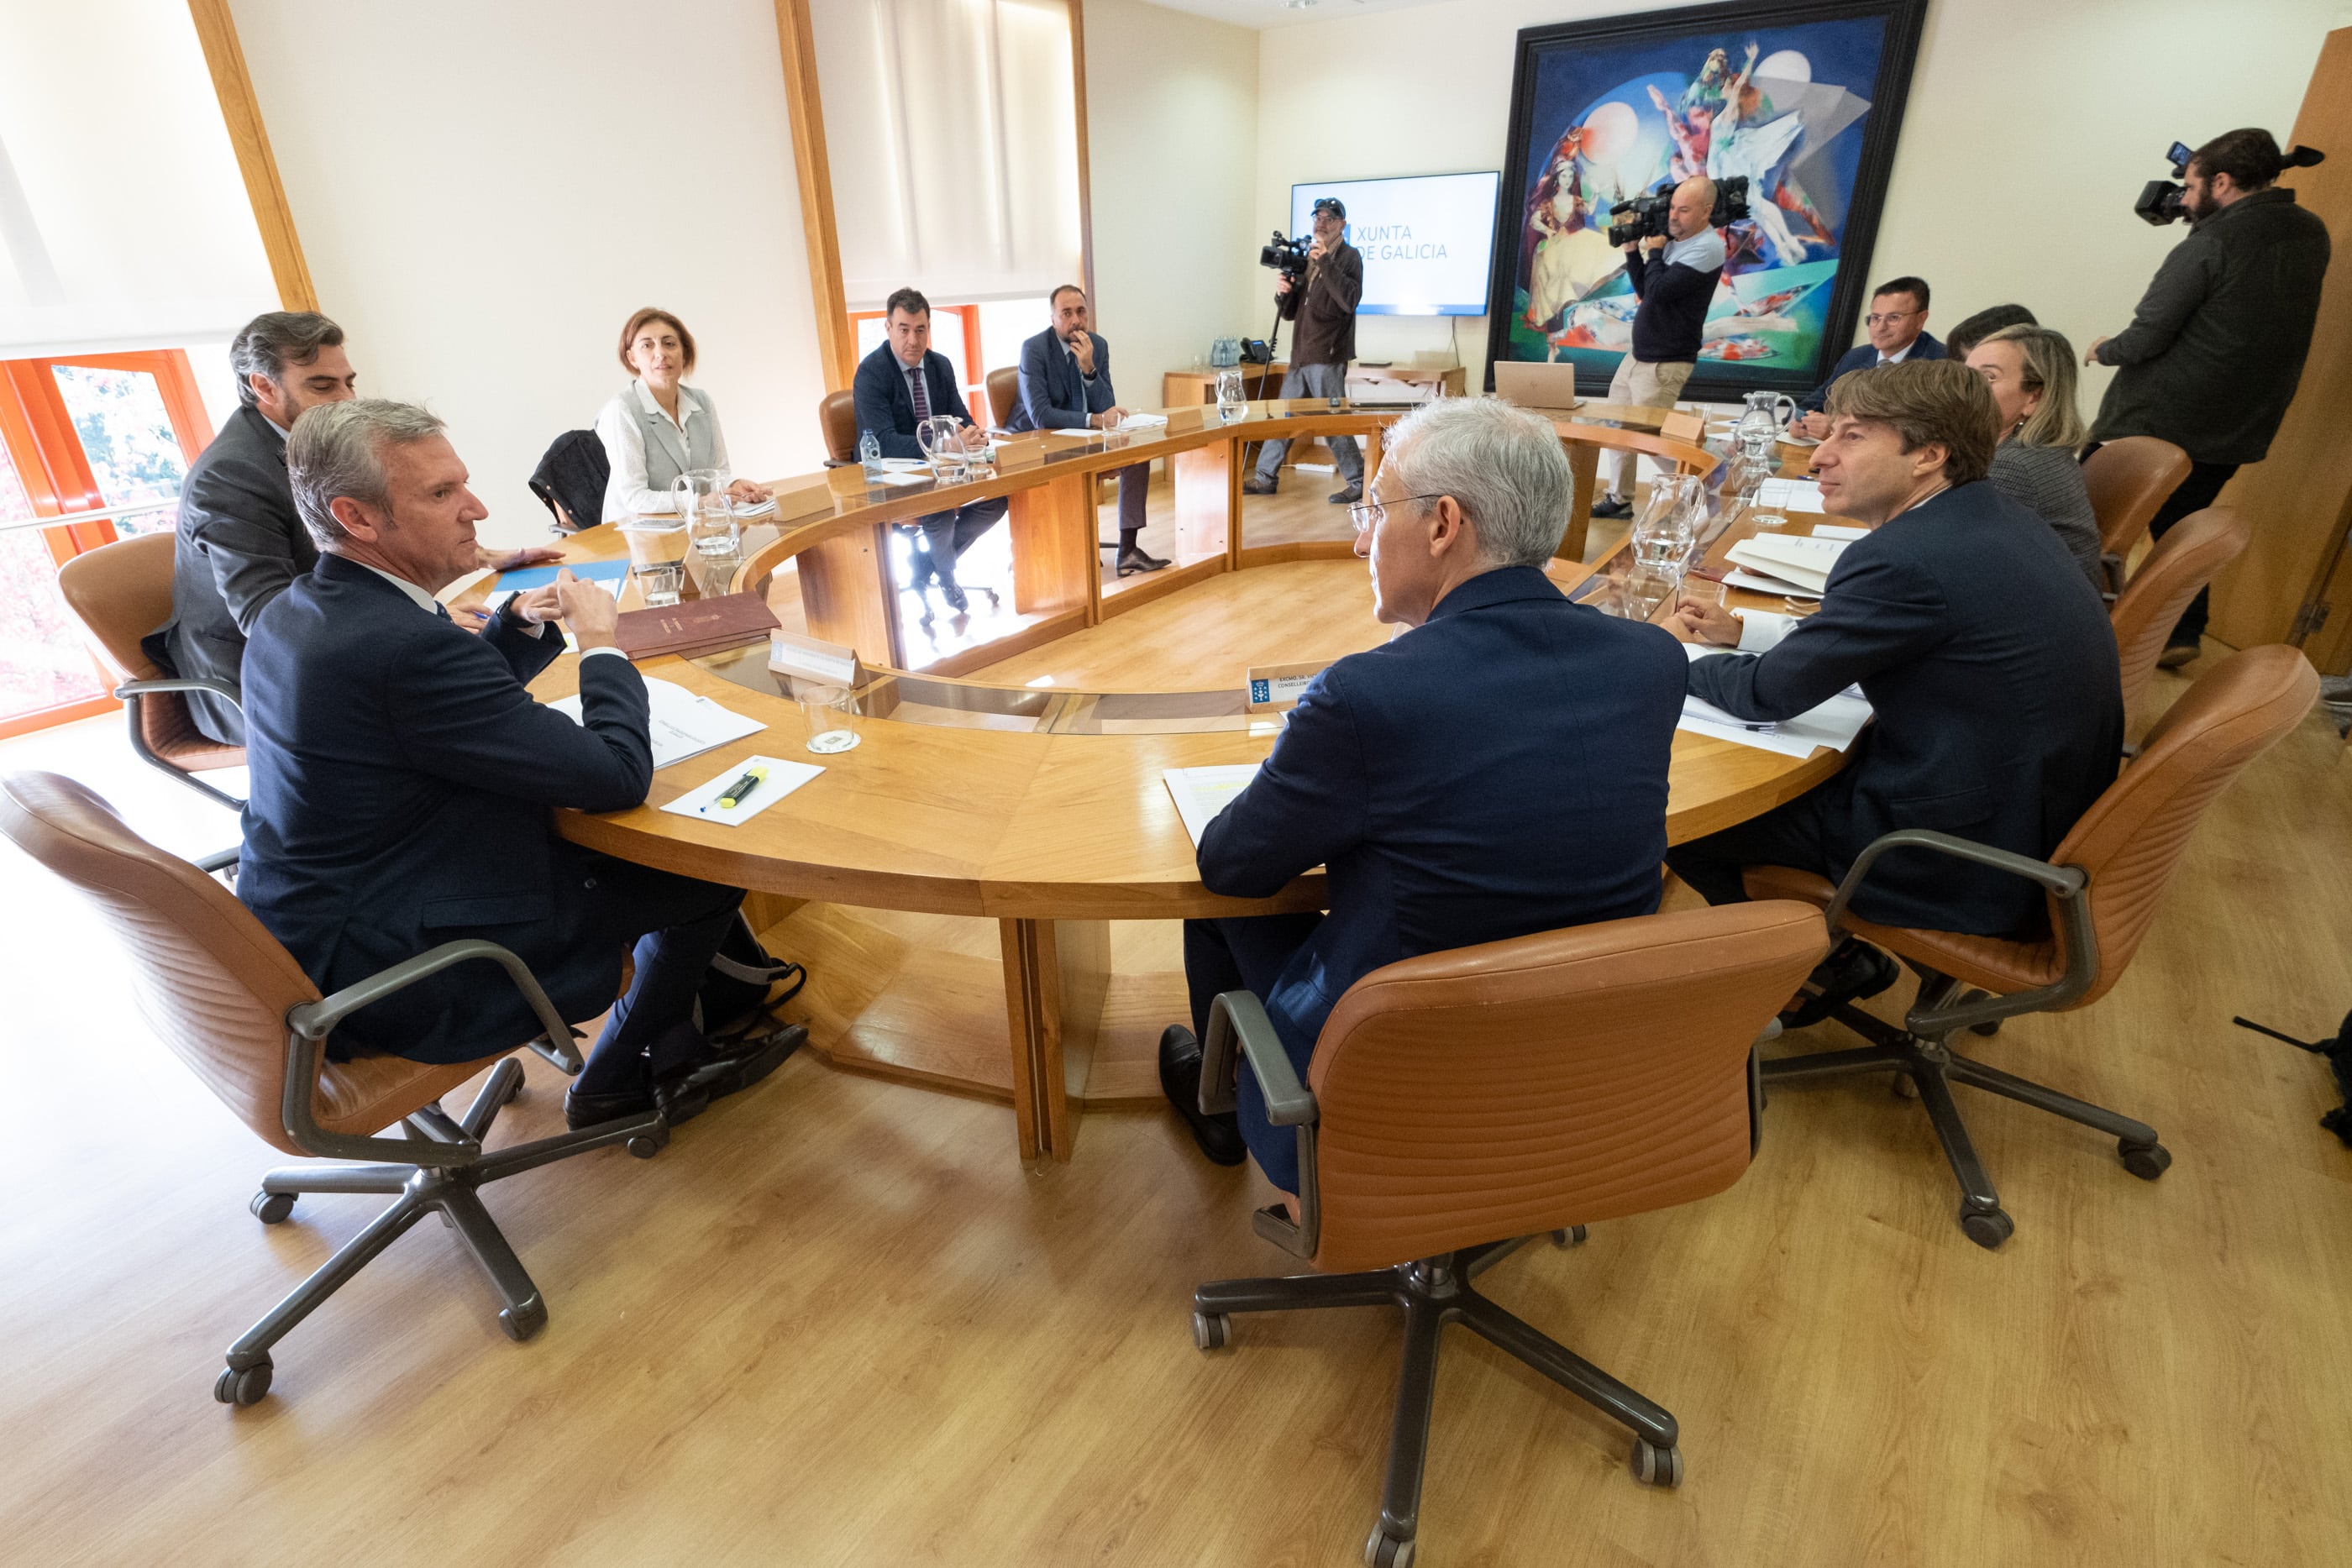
{"type": "Point", "coordinates": [221, 689]}
{"type": "Point", "coordinates": [309, 1024]}
{"type": "Point", "coordinates": [1238, 1016]}
{"type": "Point", "coordinates": [2070, 885]}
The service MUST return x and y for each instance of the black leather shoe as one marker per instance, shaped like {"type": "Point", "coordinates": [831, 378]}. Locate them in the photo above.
{"type": "Point", "coordinates": [1220, 1136]}
{"type": "Point", "coordinates": [1131, 562]}
{"type": "Point", "coordinates": [1254, 486]}
{"type": "Point", "coordinates": [1608, 507]}
{"type": "Point", "coordinates": [2176, 655]}
{"type": "Point", "coordinates": [1348, 495]}
{"type": "Point", "coordinates": [593, 1110]}
{"type": "Point", "coordinates": [726, 1070]}
{"type": "Point", "coordinates": [1855, 971]}
{"type": "Point", "coordinates": [954, 594]}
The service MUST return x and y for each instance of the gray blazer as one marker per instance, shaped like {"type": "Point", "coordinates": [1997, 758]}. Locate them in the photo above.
{"type": "Point", "coordinates": [648, 453]}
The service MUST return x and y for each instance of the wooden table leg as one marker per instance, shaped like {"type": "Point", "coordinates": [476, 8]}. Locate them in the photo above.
{"type": "Point", "coordinates": [1055, 975]}
{"type": "Point", "coordinates": [1208, 498]}
{"type": "Point", "coordinates": [1056, 560]}
{"type": "Point", "coordinates": [847, 595]}
{"type": "Point", "coordinates": [1584, 462]}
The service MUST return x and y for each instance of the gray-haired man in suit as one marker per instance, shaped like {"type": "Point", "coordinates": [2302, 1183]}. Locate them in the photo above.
{"type": "Point", "coordinates": [1066, 385]}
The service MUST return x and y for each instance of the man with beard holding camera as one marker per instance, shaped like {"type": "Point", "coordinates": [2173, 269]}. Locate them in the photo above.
{"type": "Point", "coordinates": [1324, 305]}
{"type": "Point", "coordinates": [1675, 275]}
{"type": "Point", "coordinates": [2211, 358]}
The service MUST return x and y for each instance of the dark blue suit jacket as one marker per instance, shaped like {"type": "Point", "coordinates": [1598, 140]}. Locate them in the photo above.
{"type": "Point", "coordinates": [886, 408]}
{"type": "Point", "coordinates": [1054, 395]}
{"type": "Point", "coordinates": [1861, 357]}
{"type": "Point", "coordinates": [1498, 771]}
{"type": "Point", "coordinates": [1991, 665]}
{"type": "Point", "coordinates": [402, 782]}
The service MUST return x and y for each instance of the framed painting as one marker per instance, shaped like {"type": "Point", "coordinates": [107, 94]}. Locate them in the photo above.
{"type": "Point", "coordinates": [1802, 98]}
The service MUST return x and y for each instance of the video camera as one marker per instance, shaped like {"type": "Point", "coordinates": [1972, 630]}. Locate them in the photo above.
{"type": "Point", "coordinates": [1650, 212]}
{"type": "Point", "coordinates": [1286, 256]}
{"type": "Point", "coordinates": [2162, 202]}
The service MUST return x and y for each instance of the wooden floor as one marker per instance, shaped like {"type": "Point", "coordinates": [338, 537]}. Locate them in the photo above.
{"type": "Point", "coordinates": [835, 1324]}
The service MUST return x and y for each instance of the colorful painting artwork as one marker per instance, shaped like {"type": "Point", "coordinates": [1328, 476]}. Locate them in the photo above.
{"type": "Point", "coordinates": [1803, 101]}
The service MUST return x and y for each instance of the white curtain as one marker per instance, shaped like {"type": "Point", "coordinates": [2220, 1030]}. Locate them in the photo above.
{"type": "Point", "coordinates": [950, 127]}
{"type": "Point", "coordinates": [123, 221]}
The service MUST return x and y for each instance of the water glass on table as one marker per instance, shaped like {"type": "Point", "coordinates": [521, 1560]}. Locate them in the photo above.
{"type": "Point", "coordinates": [832, 714]}
{"type": "Point", "coordinates": [659, 582]}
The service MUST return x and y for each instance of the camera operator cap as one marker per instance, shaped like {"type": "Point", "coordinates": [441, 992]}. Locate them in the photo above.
{"type": "Point", "coordinates": [1332, 205]}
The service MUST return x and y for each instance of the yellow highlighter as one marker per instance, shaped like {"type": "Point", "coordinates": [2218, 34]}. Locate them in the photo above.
{"type": "Point", "coordinates": [736, 792]}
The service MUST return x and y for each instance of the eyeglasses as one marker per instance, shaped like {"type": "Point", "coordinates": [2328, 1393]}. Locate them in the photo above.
{"type": "Point", "coordinates": [1371, 514]}
{"type": "Point", "coordinates": [1889, 316]}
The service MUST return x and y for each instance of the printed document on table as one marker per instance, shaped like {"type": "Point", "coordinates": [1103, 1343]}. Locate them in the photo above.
{"type": "Point", "coordinates": [682, 724]}
{"type": "Point", "coordinates": [1835, 723]}
{"type": "Point", "coordinates": [1790, 496]}
{"type": "Point", "coordinates": [1202, 792]}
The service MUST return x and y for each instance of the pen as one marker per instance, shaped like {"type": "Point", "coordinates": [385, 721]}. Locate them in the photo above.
{"type": "Point", "coordinates": [734, 794]}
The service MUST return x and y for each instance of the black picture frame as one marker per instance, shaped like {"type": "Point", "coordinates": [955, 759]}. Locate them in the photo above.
{"type": "Point", "coordinates": [1699, 27]}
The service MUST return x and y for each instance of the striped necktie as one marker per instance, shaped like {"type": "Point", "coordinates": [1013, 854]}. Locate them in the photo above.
{"type": "Point", "coordinates": [921, 395]}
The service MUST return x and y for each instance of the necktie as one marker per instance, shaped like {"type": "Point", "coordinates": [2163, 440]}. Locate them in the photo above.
{"type": "Point", "coordinates": [922, 394]}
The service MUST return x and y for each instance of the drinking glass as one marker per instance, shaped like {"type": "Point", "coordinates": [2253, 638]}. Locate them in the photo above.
{"type": "Point", "coordinates": [1233, 395]}
{"type": "Point", "coordinates": [659, 582]}
{"type": "Point", "coordinates": [1649, 588]}
{"type": "Point", "coordinates": [709, 515]}
{"type": "Point", "coordinates": [832, 714]}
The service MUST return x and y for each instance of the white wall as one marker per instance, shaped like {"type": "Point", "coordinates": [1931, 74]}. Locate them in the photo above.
{"type": "Point", "coordinates": [484, 192]}
{"type": "Point", "coordinates": [1171, 146]}
{"type": "Point", "coordinates": [2031, 127]}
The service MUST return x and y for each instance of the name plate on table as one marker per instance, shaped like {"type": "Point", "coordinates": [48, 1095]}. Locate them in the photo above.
{"type": "Point", "coordinates": [1690, 427]}
{"type": "Point", "coordinates": [805, 658]}
{"type": "Point", "coordinates": [1018, 451]}
{"type": "Point", "coordinates": [1268, 688]}
{"type": "Point", "coordinates": [1180, 420]}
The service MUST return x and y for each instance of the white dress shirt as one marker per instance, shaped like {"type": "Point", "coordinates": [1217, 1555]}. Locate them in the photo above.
{"type": "Point", "coordinates": [621, 426]}
{"type": "Point", "coordinates": [432, 606]}
{"type": "Point", "coordinates": [1899, 355]}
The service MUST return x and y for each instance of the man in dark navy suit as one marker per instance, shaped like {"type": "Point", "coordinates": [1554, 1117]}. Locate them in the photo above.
{"type": "Point", "coordinates": [1985, 657]}
{"type": "Point", "coordinates": [1897, 324]}
{"type": "Point", "coordinates": [1496, 770]}
{"type": "Point", "coordinates": [898, 386]}
{"type": "Point", "coordinates": [1066, 385]}
{"type": "Point", "coordinates": [403, 780]}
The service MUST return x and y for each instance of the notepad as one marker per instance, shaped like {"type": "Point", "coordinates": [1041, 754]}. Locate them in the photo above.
{"type": "Point", "coordinates": [1833, 724]}
{"type": "Point", "coordinates": [681, 724]}
{"type": "Point", "coordinates": [702, 804]}
{"type": "Point", "coordinates": [1202, 792]}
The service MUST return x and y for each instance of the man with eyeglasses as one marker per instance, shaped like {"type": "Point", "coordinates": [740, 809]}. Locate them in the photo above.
{"type": "Point", "coordinates": [1898, 332]}
{"type": "Point", "coordinates": [1497, 770]}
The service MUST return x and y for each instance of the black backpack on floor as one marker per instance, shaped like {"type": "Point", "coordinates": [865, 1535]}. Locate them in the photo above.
{"type": "Point", "coordinates": [2337, 1048]}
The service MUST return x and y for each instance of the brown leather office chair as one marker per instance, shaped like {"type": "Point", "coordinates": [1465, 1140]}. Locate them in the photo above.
{"type": "Point", "coordinates": [1462, 1102]}
{"type": "Point", "coordinates": [232, 1004]}
{"type": "Point", "coordinates": [2130, 479]}
{"type": "Point", "coordinates": [2103, 881]}
{"type": "Point", "coordinates": [120, 592]}
{"type": "Point", "coordinates": [837, 416]}
{"type": "Point", "coordinates": [1004, 395]}
{"type": "Point", "coordinates": [2192, 553]}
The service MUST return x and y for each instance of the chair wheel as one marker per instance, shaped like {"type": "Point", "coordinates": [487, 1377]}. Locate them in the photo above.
{"type": "Point", "coordinates": [1987, 1030]}
{"type": "Point", "coordinates": [272, 1207]}
{"type": "Point", "coordinates": [1656, 1467]}
{"type": "Point", "coordinates": [1987, 1227]}
{"type": "Point", "coordinates": [1385, 1551]}
{"type": "Point", "coordinates": [245, 1387]}
{"type": "Point", "coordinates": [1211, 1331]}
{"type": "Point", "coordinates": [2146, 1161]}
{"type": "Point", "coordinates": [645, 1146]}
{"type": "Point", "coordinates": [1902, 1086]}
{"type": "Point", "coordinates": [1571, 1237]}
{"type": "Point", "coordinates": [522, 1322]}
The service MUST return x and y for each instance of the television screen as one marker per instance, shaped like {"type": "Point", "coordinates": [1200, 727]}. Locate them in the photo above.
{"type": "Point", "coordinates": [1428, 240]}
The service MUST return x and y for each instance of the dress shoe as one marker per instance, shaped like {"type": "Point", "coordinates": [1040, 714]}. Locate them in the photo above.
{"type": "Point", "coordinates": [1131, 562]}
{"type": "Point", "coordinates": [726, 1070]}
{"type": "Point", "coordinates": [2176, 655]}
{"type": "Point", "coordinates": [1254, 486]}
{"type": "Point", "coordinates": [1348, 494]}
{"type": "Point", "coordinates": [1608, 507]}
{"type": "Point", "coordinates": [954, 594]}
{"type": "Point", "coordinates": [581, 1111]}
{"type": "Point", "coordinates": [1220, 1136]}
{"type": "Point", "coordinates": [1853, 971]}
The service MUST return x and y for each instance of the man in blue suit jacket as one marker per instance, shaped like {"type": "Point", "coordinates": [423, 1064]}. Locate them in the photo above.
{"type": "Point", "coordinates": [1497, 770]}
{"type": "Point", "coordinates": [1985, 654]}
{"type": "Point", "coordinates": [1897, 324]}
{"type": "Point", "coordinates": [403, 778]}
{"type": "Point", "coordinates": [898, 386]}
{"type": "Point", "coordinates": [1066, 385]}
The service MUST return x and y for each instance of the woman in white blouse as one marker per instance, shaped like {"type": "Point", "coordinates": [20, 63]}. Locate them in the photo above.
{"type": "Point", "coordinates": [660, 427]}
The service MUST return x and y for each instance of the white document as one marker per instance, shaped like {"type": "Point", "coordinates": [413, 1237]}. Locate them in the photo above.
{"type": "Point", "coordinates": [682, 724]}
{"type": "Point", "coordinates": [1838, 531]}
{"type": "Point", "coordinates": [1833, 724]}
{"type": "Point", "coordinates": [888, 479]}
{"type": "Point", "coordinates": [1757, 583]}
{"type": "Point", "coordinates": [1804, 495]}
{"type": "Point", "coordinates": [1790, 557]}
{"type": "Point", "coordinates": [1202, 792]}
{"type": "Point", "coordinates": [782, 779]}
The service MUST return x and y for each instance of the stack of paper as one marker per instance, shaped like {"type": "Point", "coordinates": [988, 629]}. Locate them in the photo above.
{"type": "Point", "coordinates": [1790, 496]}
{"type": "Point", "coordinates": [1833, 724]}
{"type": "Point", "coordinates": [1784, 563]}
{"type": "Point", "coordinates": [682, 724]}
{"type": "Point", "coordinates": [1202, 792]}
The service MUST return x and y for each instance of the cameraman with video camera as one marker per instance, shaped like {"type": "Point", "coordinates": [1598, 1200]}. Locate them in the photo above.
{"type": "Point", "coordinates": [1324, 305]}
{"type": "Point", "coordinates": [1675, 275]}
{"type": "Point", "coordinates": [2213, 353]}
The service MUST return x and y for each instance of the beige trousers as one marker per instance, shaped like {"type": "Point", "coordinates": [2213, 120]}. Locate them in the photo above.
{"type": "Point", "coordinates": [1642, 385]}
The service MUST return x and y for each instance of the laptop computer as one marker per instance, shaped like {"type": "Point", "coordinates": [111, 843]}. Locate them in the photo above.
{"type": "Point", "coordinates": [1532, 385]}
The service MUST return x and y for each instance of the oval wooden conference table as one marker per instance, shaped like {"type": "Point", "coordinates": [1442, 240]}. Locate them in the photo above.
{"type": "Point", "coordinates": [1037, 807]}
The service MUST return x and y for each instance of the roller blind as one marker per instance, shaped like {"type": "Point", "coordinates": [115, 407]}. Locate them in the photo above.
{"type": "Point", "coordinates": [950, 127]}
{"type": "Point", "coordinates": [123, 221]}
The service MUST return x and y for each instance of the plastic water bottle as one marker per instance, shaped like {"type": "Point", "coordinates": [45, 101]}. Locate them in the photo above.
{"type": "Point", "coordinates": [869, 453]}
